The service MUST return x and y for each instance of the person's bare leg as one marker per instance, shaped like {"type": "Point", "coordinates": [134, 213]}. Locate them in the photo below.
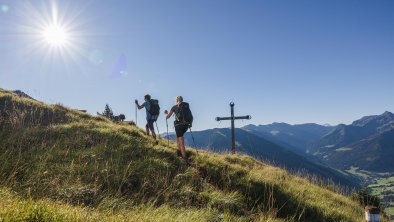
{"type": "Point", "coordinates": [153, 134]}
{"type": "Point", "coordinates": [147, 130]}
{"type": "Point", "coordinates": [178, 143]}
{"type": "Point", "coordinates": [182, 146]}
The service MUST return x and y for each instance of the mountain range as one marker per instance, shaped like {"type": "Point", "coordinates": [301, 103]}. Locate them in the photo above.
{"type": "Point", "coordinates": [218, 140]}
{"type": "Point", "coordinates": [367, 143]}
{"type": "Point", "coordinates": [295, 137]}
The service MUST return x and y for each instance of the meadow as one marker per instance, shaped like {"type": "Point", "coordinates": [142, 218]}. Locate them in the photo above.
{"type": "Point", "coordinates": [59, 164]}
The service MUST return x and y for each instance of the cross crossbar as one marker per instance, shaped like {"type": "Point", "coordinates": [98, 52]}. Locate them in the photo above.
{"type": "Point", "coordinates": [232, 118]}
{"type": "Point", "coordinates": [235, 118]}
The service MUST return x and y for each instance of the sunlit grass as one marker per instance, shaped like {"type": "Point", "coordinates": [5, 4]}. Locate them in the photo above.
{"type": "Point", "coordinates": [13, 208]}
{"type": "Point", "coordinates": [75, 164]}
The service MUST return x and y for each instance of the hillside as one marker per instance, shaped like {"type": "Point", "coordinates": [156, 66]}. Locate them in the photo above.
{"type": "Point", "coordinates": [218, 140]}
{"type": "Point", "coordinates": [58, 163]}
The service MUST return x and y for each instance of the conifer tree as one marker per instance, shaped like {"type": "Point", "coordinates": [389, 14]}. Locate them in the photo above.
{"type": "Point", "coordinates": [108, 112]}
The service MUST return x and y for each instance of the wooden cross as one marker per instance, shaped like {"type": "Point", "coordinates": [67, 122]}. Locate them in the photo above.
{"type": "Point", "coordinates": [232, 118]}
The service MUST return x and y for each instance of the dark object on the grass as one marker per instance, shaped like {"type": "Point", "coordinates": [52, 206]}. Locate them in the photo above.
{"type": "Point", "coordinates": [119, 118]}
{"type": "Point", "coordinates": [122, 117]}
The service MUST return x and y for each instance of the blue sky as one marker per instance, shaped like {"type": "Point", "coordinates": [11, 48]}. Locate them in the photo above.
{"type": "Point", "coordinates": [279, 61]}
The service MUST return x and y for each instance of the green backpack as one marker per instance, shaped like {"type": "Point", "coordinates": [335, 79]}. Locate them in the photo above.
{"type": "Point", "coordinates": [154, 107]}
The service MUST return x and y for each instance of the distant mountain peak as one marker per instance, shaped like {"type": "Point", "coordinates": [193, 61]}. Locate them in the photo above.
{"type": "Point", "coordinates": [280, 124]}
{"type": "Point", "coordinates": [385, 117]}
{"type": "Point", "coordinates": [387, 113]}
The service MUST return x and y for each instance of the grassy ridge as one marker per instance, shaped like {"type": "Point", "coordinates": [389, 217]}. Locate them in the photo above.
{"type": "Point", "coordinates": [72, 160]}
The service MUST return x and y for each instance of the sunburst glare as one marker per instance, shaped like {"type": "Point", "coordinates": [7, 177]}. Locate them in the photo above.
{"type": "Point", "coordinates": [54, 32]}
{"type": "Point", "coordinates": [55, 35]}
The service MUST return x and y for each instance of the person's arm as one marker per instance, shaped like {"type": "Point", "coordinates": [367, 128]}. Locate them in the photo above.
{"type": "Point", "coordinates": [168, 114]}
{"type": "Point", "coordinates": [139, 106]}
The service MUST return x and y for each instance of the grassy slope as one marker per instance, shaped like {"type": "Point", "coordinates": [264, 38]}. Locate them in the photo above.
{"type": "Point", "coordinates": [63, 160]}
{"type": "Point", "coordinates": [13, 208]}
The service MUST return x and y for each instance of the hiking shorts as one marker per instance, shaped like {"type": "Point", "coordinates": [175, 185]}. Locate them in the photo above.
{"type": "Point", "coordinates": [180, 130]}
{"type": "Point", "coordinates": [149, 124]}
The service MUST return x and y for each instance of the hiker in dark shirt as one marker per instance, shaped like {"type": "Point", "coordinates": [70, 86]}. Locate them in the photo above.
{"type": "Point", "coordinates": [183, 120]}
{"type": "Point", "coordinates": [150, 119]}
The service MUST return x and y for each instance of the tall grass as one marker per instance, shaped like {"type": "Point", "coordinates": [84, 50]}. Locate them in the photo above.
{"type": "Point", "coordinates": [13, 208]}
{"type": "Point", "coordinates": [75, 161]}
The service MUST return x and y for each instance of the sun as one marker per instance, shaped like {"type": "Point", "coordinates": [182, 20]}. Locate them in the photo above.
{"type": "Point", "coordinates": [56, 32]}
{"type": "Point", "coordinates": [55, 35]}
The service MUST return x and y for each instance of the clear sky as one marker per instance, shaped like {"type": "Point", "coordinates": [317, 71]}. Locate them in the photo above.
{"type": "Point", "coordinates": [329, 61]}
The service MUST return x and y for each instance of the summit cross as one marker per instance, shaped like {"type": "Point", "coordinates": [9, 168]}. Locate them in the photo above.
{"type": "Point", "coordinates": [232, 118]}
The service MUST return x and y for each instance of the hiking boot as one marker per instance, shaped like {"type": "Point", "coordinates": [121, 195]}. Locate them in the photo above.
{"type": "Point", "coordinates": [186, 159]}
{"type": "Point", "coordinates": [178, 153]}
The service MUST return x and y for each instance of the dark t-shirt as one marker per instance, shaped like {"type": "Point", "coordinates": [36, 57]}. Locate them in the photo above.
{"type": "Point", "coordinates": [175, 110]}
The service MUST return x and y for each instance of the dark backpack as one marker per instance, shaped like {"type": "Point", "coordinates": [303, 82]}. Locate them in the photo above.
{"type": "Point", "coordinates": [184, 115]}
{"type": "Point", "coordinates": [154, 109]}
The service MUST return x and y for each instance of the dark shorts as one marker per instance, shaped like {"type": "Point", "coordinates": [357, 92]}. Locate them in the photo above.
{"type": "Point", "coordinates": [149, 124]}
{"type": "Point", "coordinates": [180, 130]}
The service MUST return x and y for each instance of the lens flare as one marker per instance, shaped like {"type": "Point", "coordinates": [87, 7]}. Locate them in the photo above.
{"type": "Point", "coordinates": [5, 8]}
{"type": "Point", "coordinates": [96, 57]}
{"type": "Point", "coordinates": [120, 67]}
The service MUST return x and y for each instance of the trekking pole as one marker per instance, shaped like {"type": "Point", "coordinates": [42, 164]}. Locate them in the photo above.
{"type": "Point", "coordinates": [158, 133]}
{"type": "Point", "coordinates": [194, 143]}
{"type": "Point", "coordinates": [168, 138]}
{"type": "Point", "coordinates": [136, 111]}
